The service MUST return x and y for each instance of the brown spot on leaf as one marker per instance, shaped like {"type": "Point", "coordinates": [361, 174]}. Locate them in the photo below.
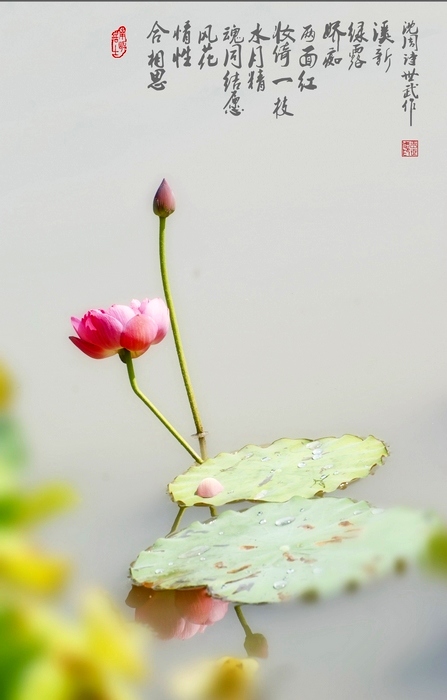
{"type": "Point", "coordinates": [220, 565]}
{"type": "Point", "coordinates": [307, 560]}
{"type": "Point", "coordinates": [307, 526]}
{"type": "Point", "coordinates": [289, 556]}
{"type": "Point", "coordinates": [345, 523]}
{"type": "Point", "coordinates": [241, 568]}
{"type": "Point", "coordinates": [334, 540]}
{"type": "Point", "coordinates": [248, 546]}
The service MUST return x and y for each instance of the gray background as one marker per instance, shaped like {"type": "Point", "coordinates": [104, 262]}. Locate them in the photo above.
{"type": "Point", "coordinates": [307, 261]}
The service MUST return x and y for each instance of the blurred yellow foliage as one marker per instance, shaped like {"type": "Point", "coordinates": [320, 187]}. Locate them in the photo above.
{"type": "Point", "coordinates": [227, 678]}
{"type": "Point", "coordinates": [76, 661]}
{"type": "Point", "coordinates": [23, 565]}
{"type": "Point", "coordinates": [6, 387]}
{"type": "Point", "coordinates": [42, 655]}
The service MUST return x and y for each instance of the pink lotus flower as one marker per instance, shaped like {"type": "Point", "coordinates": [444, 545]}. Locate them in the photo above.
{"type": "Point", "coordinates": [103, 333]}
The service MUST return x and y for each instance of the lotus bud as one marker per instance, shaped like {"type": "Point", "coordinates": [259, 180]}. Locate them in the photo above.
{"type": "Point", "coordinates": [164, 202]}
{"type": "Point", "coordinates": [256, 645]}
{"type": "Point", "coordinates": [209, 487]}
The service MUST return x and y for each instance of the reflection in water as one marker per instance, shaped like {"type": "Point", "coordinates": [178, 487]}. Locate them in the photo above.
{"type": "Point", "coordinates": [178, 614]}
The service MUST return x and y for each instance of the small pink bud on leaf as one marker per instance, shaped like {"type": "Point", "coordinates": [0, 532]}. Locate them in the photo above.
{"type": "Point", "coordinates": [209, 487]}
{"type": "Point", "coordinates": [164, 202]}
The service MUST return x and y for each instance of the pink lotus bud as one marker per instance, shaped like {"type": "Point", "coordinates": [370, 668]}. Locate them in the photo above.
{"type": "Point", "coordinates": [164, 202]}
{"type": "Point", "coordinates": [103, 333]}
{"type": "Point", "coordinates": [209, 487]}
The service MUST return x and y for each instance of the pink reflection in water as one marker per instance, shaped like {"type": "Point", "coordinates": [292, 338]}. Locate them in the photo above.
{"type": "Point", "coordinates": [176, 614]}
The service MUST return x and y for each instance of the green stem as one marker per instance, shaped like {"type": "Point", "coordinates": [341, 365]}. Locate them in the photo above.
{"type": "Point", "coordinates": [213, 511]}
{"type": "Point", "coordinates": [127, 358]}
{"type": "Point", "coordinates": [178, 343]}
{"type": "Point", "coordinates": [242, 620]}
{"type": "Point", "coordinates": [178, 517]}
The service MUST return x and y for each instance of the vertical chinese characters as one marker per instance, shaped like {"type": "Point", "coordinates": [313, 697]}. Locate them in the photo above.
{"type": "Point", "coordinates": [157, 58]}
{"type": "Point", "coordinates": [233, 62]}
{"type": "Point", "coordinates": [291, 59]}
{"type": "Point", "coordinates": [410, 41]}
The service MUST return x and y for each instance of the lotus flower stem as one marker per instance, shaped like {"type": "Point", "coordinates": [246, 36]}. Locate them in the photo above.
{"type": "Point", "coordinates": [213, 511]}
{"type": "Point", "coordinates": [178, 343]}
{"type": "Point", "coordinates": [127, 359]}
{"type": "Point", "coordinates": [178, 517]}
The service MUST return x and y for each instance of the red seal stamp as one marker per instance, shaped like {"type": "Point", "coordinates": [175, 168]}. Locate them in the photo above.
{"type": "Point", "coordinates": [119, 42]}
{"type": "Point", "coordinates": [410, 148]}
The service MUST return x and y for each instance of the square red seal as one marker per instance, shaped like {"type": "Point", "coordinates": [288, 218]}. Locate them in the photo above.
{"type": "Point", "coordinates": [410, 148]}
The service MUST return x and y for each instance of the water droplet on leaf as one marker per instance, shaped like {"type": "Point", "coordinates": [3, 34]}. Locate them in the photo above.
{"type": "Point", "coordinates": [279, 584]}
{"type": "Point", "coordinates": [284, 521]}
{"type": "Point", "coordinates": [313, 445]}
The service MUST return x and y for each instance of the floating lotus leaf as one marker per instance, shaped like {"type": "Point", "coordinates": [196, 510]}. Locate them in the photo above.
{"type": "Point", "coordinates": [271, 552]}
{"type": "Point", "coordinates": [284, 469]}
